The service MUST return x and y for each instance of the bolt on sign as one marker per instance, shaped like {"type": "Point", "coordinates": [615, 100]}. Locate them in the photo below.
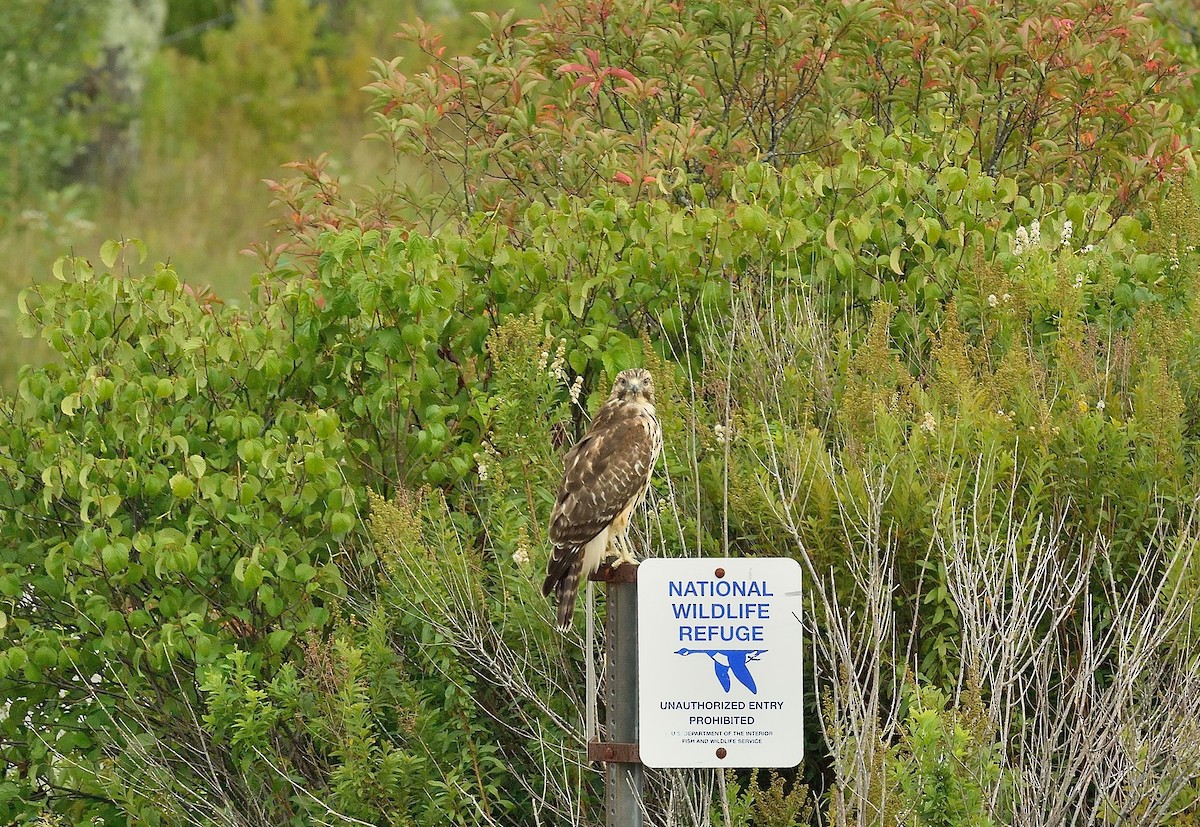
{"type": "Point", "coordinates": [720, 662]}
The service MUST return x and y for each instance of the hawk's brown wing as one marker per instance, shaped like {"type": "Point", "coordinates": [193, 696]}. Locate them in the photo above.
{"type": "Point", "coordinates": [604, 471]}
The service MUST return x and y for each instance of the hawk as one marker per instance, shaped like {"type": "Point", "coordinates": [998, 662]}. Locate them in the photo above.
{"type": "Point", "coordinates": [606, 477]}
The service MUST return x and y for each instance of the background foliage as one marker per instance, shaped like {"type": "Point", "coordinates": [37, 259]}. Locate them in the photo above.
{"type": "Point", "coordinates": [918, 285]}
{"type": "Point", "coordinates": [46, 50]}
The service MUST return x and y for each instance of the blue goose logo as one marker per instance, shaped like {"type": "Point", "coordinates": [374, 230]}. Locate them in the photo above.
{"type": "Point", "coordinates": [728, 662]}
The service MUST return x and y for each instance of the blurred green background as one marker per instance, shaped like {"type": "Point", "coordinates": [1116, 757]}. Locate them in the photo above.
{"type": "Point", "coordinates": [159, 120]}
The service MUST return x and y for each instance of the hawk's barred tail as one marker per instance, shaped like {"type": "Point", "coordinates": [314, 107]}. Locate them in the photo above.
{"type": "Point", "coordinates": [566, 565]}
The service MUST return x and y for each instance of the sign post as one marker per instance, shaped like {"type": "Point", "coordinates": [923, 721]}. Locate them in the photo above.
{"type": "Point", "coordinates": [623, 771]}
{"type": "Point", "coordinates": [704, 668]}
{"type": "Point", "coordinates": [623, 781]}
{"type": "Point", "coordinates": [720, 656]}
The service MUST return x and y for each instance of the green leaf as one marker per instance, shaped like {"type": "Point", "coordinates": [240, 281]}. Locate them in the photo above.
{"type": "Point", "coordinates": [963, 141]}
{"type": "Point", "coordinates": [109, 251]}
{"type": "Point", "coordinates": [954, 179]}
{"type": "Point", "coordinates": [860, 229]}
{"type": "Point", "coordinates": [340, 523]}
{"type": "Point", "coordinates": [109, 504]}
{"type": "Point", "coordinates": [252, 576]}
{"type": "Point", "coordinates": [843, 262]}
{"type": "Point", "coordinates": [578, 297]}
{"type": "Point", "coordinates": [831, 234]}
{"type": "Point", "coordinates": [115, 558]}
{"type": "Point", "coordinates": [314, 464]}
{"type": "Point", "coordinates": [207, 648]}
{"type": "Point", "coordinates": [166, 281]}
{"type": "Point", "coordinates": [196, 465]}
{"type": "Point", "coordinates": [182, 487]}
{"type": "Point", "coordinates": [751, 218]}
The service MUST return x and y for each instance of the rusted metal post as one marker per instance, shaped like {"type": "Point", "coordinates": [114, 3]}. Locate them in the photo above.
{"type": "Point", "coordinates": [623, 774]}
{"type": "Point", "coordinates": [623, 781]}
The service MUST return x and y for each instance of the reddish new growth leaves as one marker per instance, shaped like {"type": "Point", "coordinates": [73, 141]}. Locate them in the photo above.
{"type": "Point", "coordinates": [1071, 92]}
{"type": "Point", "coordinates": [593, 75]}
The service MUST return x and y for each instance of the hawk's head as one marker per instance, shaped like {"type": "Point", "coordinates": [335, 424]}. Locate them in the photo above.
{"type": "Point", "coordinates": [633, 385]}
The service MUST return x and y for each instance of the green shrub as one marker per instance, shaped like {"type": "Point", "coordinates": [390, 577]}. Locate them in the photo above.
{"type": "Point", "coordinates": [163, 503]}
{"type": "Point", "coordinates": [260, 87]}
{"type": "Point", "coordinates": [662, 99]}
{"type": "Point", "coordinates": [1037, 350]}
{"type": "Point", "coordinates": [779, 804]}
{"type": "Point", "coordinates": [354, 729]}
{"type": "Point", "coordinates": [47, 51]}
{"type": "Point", "coordinates": [944, 765]}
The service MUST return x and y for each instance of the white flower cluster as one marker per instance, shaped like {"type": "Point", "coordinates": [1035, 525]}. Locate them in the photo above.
{"type": "Point", "coordinates": [928, 423]}
{"type": "Point", "coordinates": [556, 366]}
{"type": "Point", "coordinates": [1089, 266]}
{"type": "Point", "coordinates": [521, 556]}
{"type": "Point", "coordinates": [721, 433]}
{"type": "Point", "coordinates": [1174, 254]}
{"type": "Point", "coordinates": [1025, 240]}
{"type": "Point", "coordinates": [481, 458]}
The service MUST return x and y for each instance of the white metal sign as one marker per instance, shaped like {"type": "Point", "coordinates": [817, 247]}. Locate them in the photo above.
{"type": "Point", "coordinates": [720, 662]}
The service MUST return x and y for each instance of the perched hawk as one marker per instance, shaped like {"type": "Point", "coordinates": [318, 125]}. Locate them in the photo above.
{"type": "Point", "coordinates": [607, 474]}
